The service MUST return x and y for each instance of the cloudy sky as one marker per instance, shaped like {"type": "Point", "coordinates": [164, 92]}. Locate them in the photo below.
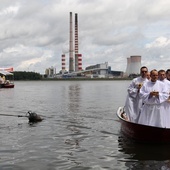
{"type": "Point", "coordinates": [35, 33]}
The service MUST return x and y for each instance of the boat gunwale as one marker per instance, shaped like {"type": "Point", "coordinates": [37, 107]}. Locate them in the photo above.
{"type": "Point", "coordinates": [143, 133]}
{"type": "Point", "coordinates": [119, 116]}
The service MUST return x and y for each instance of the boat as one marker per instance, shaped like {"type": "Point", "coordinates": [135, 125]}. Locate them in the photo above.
{"type": "Point", "coordinates": [142, 133]}
{"type": "Point", "coordinates": [5, 81]}
{"type": "Point", "coordinates": [8, 85]}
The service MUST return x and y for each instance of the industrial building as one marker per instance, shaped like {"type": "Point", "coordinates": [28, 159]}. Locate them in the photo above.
{"type": "Point", "coordinates": [102, 71]}
{"type": "Point", "coordinates": [50, 72]}
{"type": "Point", "coordinates": [98, 70]}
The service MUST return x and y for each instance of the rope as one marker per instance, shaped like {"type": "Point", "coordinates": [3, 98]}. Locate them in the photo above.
{"type": "Point", "coordinates": [32, 116]}
{"type": "Point", "coordinates": [13, 115]}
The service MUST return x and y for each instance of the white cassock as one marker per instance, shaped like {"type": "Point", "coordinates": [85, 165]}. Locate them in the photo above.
{"type": "Point", "coordinates": [167, 104]}
{"type": "Point", "coordinates": [133, 103]}
{"type": "Point", "coordinates": [153, 110]}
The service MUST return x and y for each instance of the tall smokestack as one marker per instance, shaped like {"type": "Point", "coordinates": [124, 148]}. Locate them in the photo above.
{"type": "Point", "coordinates": [71, 46]}
{"type": "Point", "coordinates": [76, 42]}
{"type": "Point", "coordinates": [76, 34]}
{"type": "Point", "coordinates": [78, 57]}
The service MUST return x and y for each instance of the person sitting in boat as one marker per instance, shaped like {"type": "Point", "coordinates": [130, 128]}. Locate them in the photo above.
{"type": "Point", "coordinates": [133, 103]}
{"type": "Point", "coordinates": [153, 93]}
{"type": "Point", "coordinates": [7, 82]}
{"type": "Point", "coordinates": [1, 80]}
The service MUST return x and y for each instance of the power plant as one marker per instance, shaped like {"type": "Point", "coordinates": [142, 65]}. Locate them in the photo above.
{"type": "Point", "coordinates": [75, 63]}
{"type": "Point", "coordinates": [133, 65]}
{"type": "Point", "coordinates": [97, 70]}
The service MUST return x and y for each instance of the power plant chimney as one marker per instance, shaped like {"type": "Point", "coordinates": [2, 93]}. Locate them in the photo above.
{"type": "Point", "coordinates": [71, 46]}
{"type": "Point", "coordinates": [76, 42]}
{"type": "Point", "coordinates": [76, 34]}
{"type": "Point", "coordinates": [78, 57]}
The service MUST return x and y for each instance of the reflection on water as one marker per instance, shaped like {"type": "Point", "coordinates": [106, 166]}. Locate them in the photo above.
{"type": "Point", "coordinates": [74, 98]}
{"type": "Point", "coordinates": [144, 155]}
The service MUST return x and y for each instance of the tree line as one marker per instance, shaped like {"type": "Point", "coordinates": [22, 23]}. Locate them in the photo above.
{"type": "Point", "coordinates": [23, 75]}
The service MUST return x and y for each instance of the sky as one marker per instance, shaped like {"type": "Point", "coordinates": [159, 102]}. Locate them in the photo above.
{"type": "Point", "coordinates": [35, 33]}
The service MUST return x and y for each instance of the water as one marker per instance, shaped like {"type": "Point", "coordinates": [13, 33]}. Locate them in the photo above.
{"type": "Point", "coordinates": [80, 130]}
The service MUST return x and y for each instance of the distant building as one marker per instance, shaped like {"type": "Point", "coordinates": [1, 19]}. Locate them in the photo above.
{"type": "Point", "coordinates": [98, 70]}
{"type": "Point", "coordinates": [102, 71]}
{"type": "Point", "coordinates": [50, 72]}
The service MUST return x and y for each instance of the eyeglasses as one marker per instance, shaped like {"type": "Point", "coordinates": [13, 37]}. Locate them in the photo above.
{"type": "Point", "coordinates": [143, 71]}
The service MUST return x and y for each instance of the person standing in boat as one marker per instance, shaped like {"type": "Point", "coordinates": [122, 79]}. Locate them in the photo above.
{"type": "Point", "coordinates": [166, 80]}
{"type": "Point", "coordinates": [133, 103]}
{"type": "Point", "coordinates": [168, 74]}
{"type": "Point", "coordinates": [162, 76]}
{"type": "Point", "coordinates": [148, 75]}
{"type": "Point", "coordinates": [153, 94]}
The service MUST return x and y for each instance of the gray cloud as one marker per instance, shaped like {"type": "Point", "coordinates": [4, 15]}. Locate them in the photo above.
{"type": "Point", "coordinates": [34, 34]}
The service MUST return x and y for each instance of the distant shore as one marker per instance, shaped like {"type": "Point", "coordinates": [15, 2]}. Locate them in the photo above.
{"type": "Point", "coordinates": [84, 79]}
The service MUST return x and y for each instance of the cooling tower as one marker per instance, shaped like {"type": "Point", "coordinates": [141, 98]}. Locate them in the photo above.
{"type": "Point", "coordinates": [133, 65]}
{"type": "Point", "coordinates": [128, 66]}
{"type": "Point", "coordinates": [71, 46]}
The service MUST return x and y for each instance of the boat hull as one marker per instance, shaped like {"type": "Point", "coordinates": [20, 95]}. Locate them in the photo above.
{"type": "Point", "coordinates": [9, 86]}
{"type": "Point", "coordinates": [143, 133]}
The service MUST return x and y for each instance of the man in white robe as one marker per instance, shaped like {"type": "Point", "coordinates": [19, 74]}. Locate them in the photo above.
{"type": "Point", "coordinates": [133, 103]}
{"type": "Point", "coordinates": [167, 103]}
{"type": "Point", "coordinates": [153, 93]}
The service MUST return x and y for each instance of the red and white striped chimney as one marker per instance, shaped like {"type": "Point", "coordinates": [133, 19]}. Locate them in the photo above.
{"type": "Point", "coordinates": [71, 46]}
{"type": "Point", "coordinates": [78, 57]}
{"type": "Point", "coordinates": [76, 35]}
{"type": "Point", "coordinates": [79, 62]}
{"type": "Point", "coordinates": [63, 62]}
{"type": "Point", "coordinates": [76, 42]}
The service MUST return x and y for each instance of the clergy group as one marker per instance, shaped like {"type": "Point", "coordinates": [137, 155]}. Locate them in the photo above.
{"type": "Point", "coordinates": [148, 100]}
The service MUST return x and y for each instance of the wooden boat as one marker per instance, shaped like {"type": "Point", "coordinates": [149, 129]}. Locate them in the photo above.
{"type": "Point", "coordinates": [10, 85]}
{"type": "Point", "coordinates": [143, 133]}
{"type": "Point", "coordinates": [6, 83]}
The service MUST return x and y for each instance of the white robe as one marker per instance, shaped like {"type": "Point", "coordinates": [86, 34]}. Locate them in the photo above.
{"type": "Point", "coordinates": [153, 110]}
{"type": "Point", "coordinates": [133, 103]}
{"type": "Point", "coordinates": [167, 104]}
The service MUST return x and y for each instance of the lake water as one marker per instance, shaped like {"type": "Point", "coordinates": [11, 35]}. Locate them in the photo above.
{"type": "Point", "coordinates": [80, 130]}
